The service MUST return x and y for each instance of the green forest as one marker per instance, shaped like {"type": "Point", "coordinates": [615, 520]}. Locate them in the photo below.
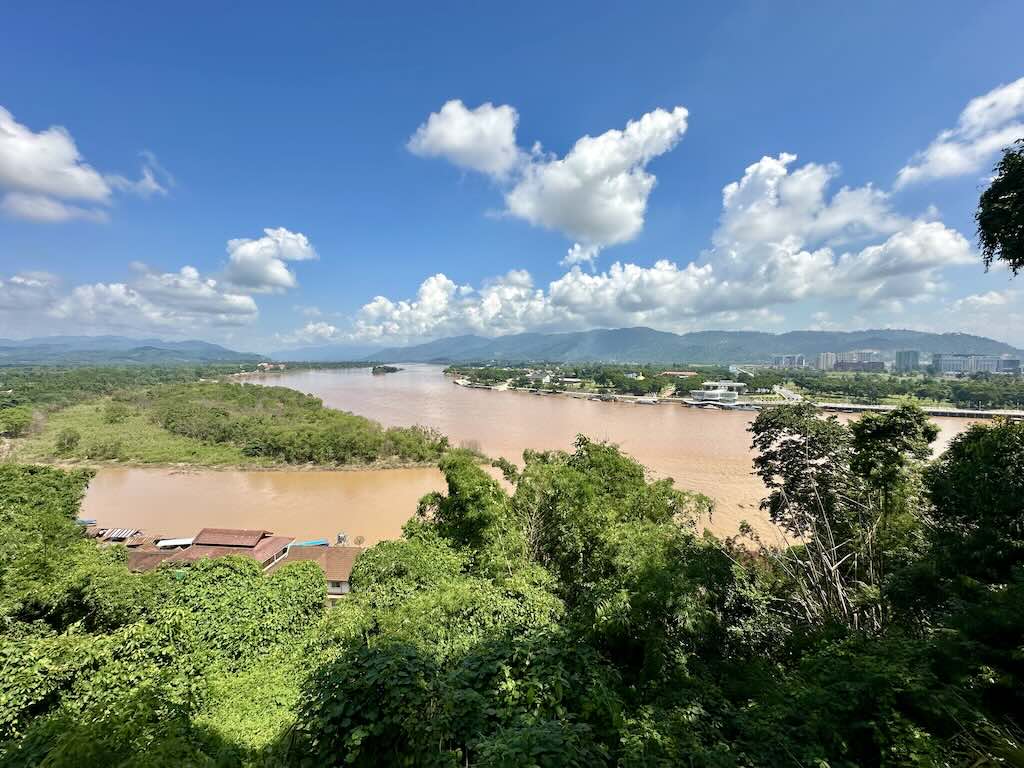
{"type": "Point", "coordinates": [190, 415]}
{"type": "Point", "coordinates": [574, 617]}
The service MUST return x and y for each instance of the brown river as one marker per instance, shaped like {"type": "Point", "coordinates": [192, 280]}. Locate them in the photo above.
{"type": "Point", "coordinates": [704, 450]}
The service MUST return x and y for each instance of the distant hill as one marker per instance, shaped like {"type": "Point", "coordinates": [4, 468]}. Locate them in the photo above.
{"type": "Point", "coordinates": [324, 353]}
{"type": "Point", "coordinates": [644, 345]}
{"type": "Point", "coordinates": [109, 350]}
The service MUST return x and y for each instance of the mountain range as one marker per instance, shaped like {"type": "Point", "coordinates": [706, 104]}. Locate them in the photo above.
{"type": "Point", "coordinates": [121, 350]}
{"type": "Point", "coordinates": [645, 345]}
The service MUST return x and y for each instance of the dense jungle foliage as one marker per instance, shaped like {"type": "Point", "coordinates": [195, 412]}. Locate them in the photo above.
{"type": "Point", "coordinates": [49, 388]}
{"type": "Point", "coordinates": [578, 619]}
{"type": "Point", "coordinates": [284, 424]}
{"type": "Point", "coordinates": [180, 414]}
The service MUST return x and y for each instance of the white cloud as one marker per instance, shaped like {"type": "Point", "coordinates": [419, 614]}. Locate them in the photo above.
{"type": "Point", "coordinates": [597, 194]}
{"type": "Point", "coordinates": [481, 139]}
{"type": "Point", "coordinates": [25, 205]}
{"type": "Point", "coordinates": [999, 314]}
{"type": "Point", "coordinates": [28, 291]}
{"type": "Point", "coordinates": [311, 333]}
{"type": "Point", "coordinates": [987, 124]}
{"type": "Point", "coordinates": [580, 254]}
{"type": "Point", "coordinates": [39, 172]}
{"type": "Point", "coordinates": [782, 238]}
{"type": "Point", "coordinates": [187, 291]}
{"type": "Point", "coordinates": [259, 265]}
{"type": "Point", "coordinates": [169, 302]}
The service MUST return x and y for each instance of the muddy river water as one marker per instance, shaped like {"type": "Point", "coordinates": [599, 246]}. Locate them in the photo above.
{"type": "Point", "coordinates": [702, 450]}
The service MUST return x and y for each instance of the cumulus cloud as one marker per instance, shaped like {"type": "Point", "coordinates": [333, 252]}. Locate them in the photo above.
{"type": "Point", "coordinates": [40, 172]}
{"type": "Point", "coordinates": [596, 194]}
{"type": "Point", "coordinates": [154, 301]}
{"type": "Point", "coordinates": [998, 313]}
{"type": "Point", "coordinates": [481, 139]}
{"type": "Point", "coordinates": [783, 237]}
{"type": "Point", "coordinates": [311, 333]}
{"type": "Point", "coordinates": [258, 265]}
{"type": "Point", "coordinates": [28, 291]}
{"type": "Point", "coordinates": [987, 124]}
{"type": "Point", "coordinates": [580, 254]}
{"type": "Point", "coordinates": [25, 205]}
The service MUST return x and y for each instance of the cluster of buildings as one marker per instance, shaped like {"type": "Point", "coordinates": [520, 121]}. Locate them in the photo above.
{"type": "Point", "coordinates": [954, 363]}
{"type": "Point", "coordinates": [905, 361]}
{"type": "Point", "coordinates": [148, 552]}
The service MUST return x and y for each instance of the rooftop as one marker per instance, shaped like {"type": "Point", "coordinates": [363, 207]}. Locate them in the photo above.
{"type": "Point", "coordinates": [336, 562]}
{"type": "Point", "coordinates": [229, 537]}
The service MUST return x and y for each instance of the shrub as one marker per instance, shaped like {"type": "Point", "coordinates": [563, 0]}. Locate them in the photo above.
{"type": "Point", "coordinates": [104, 449]}
{"type": "Point", "coordinates": [116, 413]}
{"type": "Point", "coordinates": [67, 441]}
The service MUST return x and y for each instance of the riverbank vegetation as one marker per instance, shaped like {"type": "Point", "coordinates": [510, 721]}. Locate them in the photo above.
{"type": "Point", "coordinates": [208, 423]}
{"type": "Point", "coordinates": [593, 377]}
{"type": "Point", "coordinates": [578, 619]}
{"type": "Point", "coordinates": [980, 391]}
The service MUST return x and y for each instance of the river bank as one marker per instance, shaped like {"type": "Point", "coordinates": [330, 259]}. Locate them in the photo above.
{"type": "Point", "coordinates": [748, 404]}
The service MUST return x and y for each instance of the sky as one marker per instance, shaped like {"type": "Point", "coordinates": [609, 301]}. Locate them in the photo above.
{"type": "Point", "coordinates": [383, 174]}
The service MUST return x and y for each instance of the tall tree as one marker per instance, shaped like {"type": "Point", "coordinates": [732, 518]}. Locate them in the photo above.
{"type": "Point", "coordinates": [1000, 213]}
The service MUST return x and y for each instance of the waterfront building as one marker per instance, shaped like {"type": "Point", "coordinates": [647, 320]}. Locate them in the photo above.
{"type": "Point", "coordinates": [907, 360]}
{"type": "Point", "coordinates": [826, 361]}
{"type": "Point", "coordinates": [719, 391]}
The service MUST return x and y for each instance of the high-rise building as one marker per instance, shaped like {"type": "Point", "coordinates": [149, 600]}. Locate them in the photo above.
{"type": "Point", "coordinates": [1009, 365]}
{"type": "Point", "coordinates": [907, 360]}
{"type": "Point", "coordinates": [826, 361]}
{"type": "Point", "coordinates": [788, 361]}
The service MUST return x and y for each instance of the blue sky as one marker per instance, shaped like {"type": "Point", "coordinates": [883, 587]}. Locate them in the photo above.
{"type": "Point", "coordinates": [358, 175]}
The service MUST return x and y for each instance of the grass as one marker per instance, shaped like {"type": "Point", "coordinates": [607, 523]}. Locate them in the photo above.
{"type": "Point", "coordinates": [135, 440]}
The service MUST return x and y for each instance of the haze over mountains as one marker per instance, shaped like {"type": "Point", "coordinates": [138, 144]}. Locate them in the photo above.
{"type": "Point", "coordinates": [645, 345]}
{"type": "Point", "coordinates": [122, 350]}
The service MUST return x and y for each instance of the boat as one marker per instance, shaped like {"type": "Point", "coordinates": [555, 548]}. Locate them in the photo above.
{"type": "Point", "coordinates": [646, 401]}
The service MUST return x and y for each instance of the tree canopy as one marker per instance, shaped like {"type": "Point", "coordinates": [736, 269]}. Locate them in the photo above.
{"type": "Point", "coordinates": [1000, 214]}
{"type": "Point", "coordinates": [573, 617]}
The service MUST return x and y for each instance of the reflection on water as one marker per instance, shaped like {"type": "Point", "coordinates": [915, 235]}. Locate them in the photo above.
{"type": "Point", "coordinates": [704, 450]}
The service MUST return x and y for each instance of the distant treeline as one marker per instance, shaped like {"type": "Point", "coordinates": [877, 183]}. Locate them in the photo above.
{"type": "Point", "coordinates": [51, 388]}
{"type": "Point", "coordinates": [618, 379]}
{"type": "Point", "coordinates": [979, 391]}
{"type": "Point", "coordinates": [284, 424]}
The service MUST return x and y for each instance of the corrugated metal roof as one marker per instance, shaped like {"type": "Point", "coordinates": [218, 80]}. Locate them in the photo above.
{"type": "Point", "coordinates": [117, 534]}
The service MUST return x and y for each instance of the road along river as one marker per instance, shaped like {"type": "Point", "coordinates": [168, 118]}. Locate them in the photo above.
{"type": "Point", "coordinates": [704, 450]}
